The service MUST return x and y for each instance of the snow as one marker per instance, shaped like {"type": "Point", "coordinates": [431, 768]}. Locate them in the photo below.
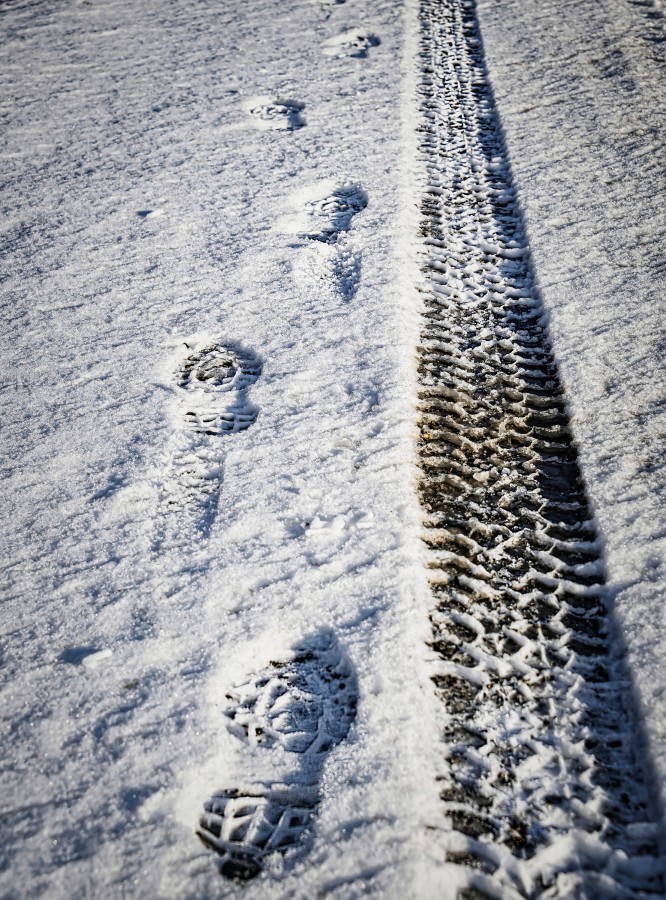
{"type": "Point", "coordinates": [142, 217]}
{"type": "Point", "coordinates": [182, 179]}
{"type": "Point", "coordinates": [580, 95]}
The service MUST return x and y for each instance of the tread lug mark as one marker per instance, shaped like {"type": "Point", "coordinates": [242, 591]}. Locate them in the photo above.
{"type": "Point", "coordinates": [301, 707]}
{"type": "Point", "coordinates": [542, 781]}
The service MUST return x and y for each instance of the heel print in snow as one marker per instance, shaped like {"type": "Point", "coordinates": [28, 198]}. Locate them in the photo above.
{"type": "Point", "coordinates": [212, 401]}
{"type": "Point", "coordinates": [300, 709]}
{"type": "Point", "coordinates": [541, 776]}
{"type": "Point", "coordinates": [276, 114]}
{"type": "Point", "coordinates": [346, 271]}
{"type": "Point", "coordinates": [326, 220]}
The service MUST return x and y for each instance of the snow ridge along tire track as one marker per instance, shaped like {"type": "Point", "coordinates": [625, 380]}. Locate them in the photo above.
{"type": "Point", "coordinates": [542, 782]}
{"type": "Point", "coordinates": [298, 709]}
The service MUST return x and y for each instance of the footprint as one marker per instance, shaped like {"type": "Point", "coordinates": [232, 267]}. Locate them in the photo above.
{"type": "Point", "coordinates": [212, 387]}
{"type": "Point", "coordinates": [276, 114]}
{"type": "Point", "coordinates": [299, 708]}
{"type": "Point", "coordinates": [215, 381]}
{"type": "Point", "coordinates": [355, 43]}
{"type": "Point", "coordinates": [346, 268]}
{"type": "Point", "coordinates": [322, 214]}
{"type": "Point", "coordinates": [332, 214]}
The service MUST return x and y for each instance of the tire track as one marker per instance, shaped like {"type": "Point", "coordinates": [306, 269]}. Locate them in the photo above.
{"type": "Point", "coordinates": [542, 783]}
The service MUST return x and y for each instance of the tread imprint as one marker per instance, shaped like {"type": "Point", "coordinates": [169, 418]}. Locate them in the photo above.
{"type": "Point", "coordinates": [332, 215]}
{"type": "Point", "coordinates": [212, 384]}
{"type": "Point", "coordinates": [305, 706]}
{"type": "Point", "coordinates": [542, 783]}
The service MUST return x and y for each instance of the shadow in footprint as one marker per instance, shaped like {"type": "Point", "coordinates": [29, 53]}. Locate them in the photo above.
{"type": "Point", "coordinates": [74, 656]}
{"type": "Point", "coordinates": [354, 43]}
{"type": "Point", "coordinates": [331, 215]}
{"type": "Point", "coordinates": [276, 114]}
{"type": "Point", "coordinates": [300, 708]}
{"type": "Point", "coordinates": [212, 382]}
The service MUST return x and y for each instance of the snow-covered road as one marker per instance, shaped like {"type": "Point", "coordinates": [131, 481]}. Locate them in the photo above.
{"type": "Point", "coordinates": [166, 221]}
{"type": "Point", "coordinates": [581, 97]}
{"type": "Point", "coordinates": [225, 417]}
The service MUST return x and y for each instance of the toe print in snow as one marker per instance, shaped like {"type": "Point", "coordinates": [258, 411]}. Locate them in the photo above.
{"type": "Point", "coordinates": [332, 214]}
{"type": "Point", "coordinates": [215, 381]}
{"type": "Point", "coordinates": [212, 401]}
{"type": "Point", "coordinates": [355, 43]}
{"type": "Point", "coordinates": [276, 114]}
{"type": "Point", "coordinates": [299, 709]}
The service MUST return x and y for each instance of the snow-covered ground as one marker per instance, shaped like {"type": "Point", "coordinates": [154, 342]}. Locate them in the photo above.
{"type": "Point", "coordinates": [153, 207]}
{"type": "Point", "coordinates": [580, 90]}
{"type": "Point", "coordinates": [210, 233]}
